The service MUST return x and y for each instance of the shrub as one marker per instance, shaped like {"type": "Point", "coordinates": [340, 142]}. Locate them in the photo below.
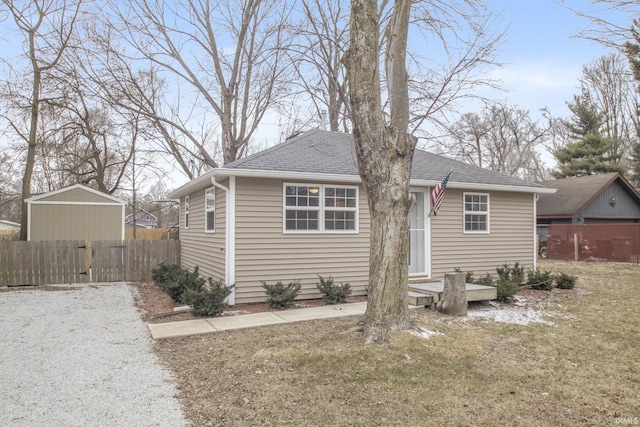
{"type": "Point", "coordinates": [565, 281]}
{"type": "Point", "coordinates": [175, 280]}
{"type": "Point", "coordinates": [164, 273]}
{"type": "Point", "coordinates": [486, 280]}
{"type": "Point", "coordinates": [506, 289]}
{"type": "Point", "coordinates": [514, 274]}
{"type": "Point", "coordinates": [540, 280]}
{"type": "Point", "coordinates": [468, 278]}
{"type": "Point", "coordinates": [281, 296]}
{"type": "Point", "coordinates": [209, 300]}
{"type": "Point", "coordinates": [333, 294]}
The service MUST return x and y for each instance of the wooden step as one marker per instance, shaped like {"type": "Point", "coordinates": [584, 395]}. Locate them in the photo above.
{"type": "Point", "coordinates": [435, 289]}
{"type": "Point", "coordinates": [419, 299]}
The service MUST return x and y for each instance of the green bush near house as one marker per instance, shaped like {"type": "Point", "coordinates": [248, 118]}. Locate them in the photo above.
{"type": "Point", "coordinates": [485, 280]}
{"type": "Point", "coordinates": [540, 279]}
{"type": "Point", "coordinates": [565, 281]}
{"type": "Point", "coordinates": [506, 289]}
{"type": "Point", "coordinates": [514, 274]}
{"type": "Point", "coordinates": [333, 294]}
{"type": "Point", "coordinates": [165, 273]}
{"type": "Point", "coordinates": [175, 280]}
{"type": "Point", "coordinates": [209, 300]}
{"type": "Point", "coordinates": [280, 295]}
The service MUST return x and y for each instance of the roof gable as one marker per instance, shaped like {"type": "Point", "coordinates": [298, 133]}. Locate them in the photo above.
{"type": "Point", "coordinates": [77, 193]}
{"type": "Point", "coordinates": [574, 194]}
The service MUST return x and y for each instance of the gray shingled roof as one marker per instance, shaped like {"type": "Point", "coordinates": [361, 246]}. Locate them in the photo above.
{"type": "Point", "coordinates": [573, 194]}
{"type": "Point", "coordinates": [327, 152]}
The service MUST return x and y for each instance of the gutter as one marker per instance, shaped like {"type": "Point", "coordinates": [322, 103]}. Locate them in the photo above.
{"type": "Point", "coordinates": [230, 235]}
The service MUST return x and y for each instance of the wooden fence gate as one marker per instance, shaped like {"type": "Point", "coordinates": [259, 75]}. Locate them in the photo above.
{"type": "Point", "coordinates": [77, 261]}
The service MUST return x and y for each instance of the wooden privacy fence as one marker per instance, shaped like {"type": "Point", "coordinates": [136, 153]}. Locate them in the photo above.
{"type": "Point", "coordinates": [77, 261]}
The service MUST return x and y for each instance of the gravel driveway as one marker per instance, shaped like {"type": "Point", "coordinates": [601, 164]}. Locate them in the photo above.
{"type": "Point", "coordinates": [81, 357]}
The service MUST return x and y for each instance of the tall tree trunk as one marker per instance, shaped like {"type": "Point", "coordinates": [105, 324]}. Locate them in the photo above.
{"type": "Point", "coordinates": [385, 155]}
{"type": "Point", "coordinates": [32, 143]}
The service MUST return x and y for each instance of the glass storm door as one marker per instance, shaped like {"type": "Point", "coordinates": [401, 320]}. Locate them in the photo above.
{"type": "Point", "coordinates": [417, 246]}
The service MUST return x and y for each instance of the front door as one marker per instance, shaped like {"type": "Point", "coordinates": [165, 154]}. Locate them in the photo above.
{"type": "Point", "coordinates": [418, 235]}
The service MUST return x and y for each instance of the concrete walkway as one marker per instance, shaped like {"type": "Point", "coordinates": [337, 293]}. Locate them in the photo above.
{"type": "Point", "coordinates": [226, 323]}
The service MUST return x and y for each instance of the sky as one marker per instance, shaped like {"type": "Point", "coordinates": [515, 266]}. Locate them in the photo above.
{"type": "Point", "coordinates": [542, 58]}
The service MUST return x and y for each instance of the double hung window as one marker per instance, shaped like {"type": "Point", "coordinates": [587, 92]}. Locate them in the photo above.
{"type": "Point", "coordinates": [476, 213]}
{"type": "Point", "coordinates": [320, 208]}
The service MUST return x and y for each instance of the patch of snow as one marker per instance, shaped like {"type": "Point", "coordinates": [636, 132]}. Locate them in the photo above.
{"type": "Point", "coordinates": [511, 315]}
{"type": "Point", "coordinates": [423, 333]}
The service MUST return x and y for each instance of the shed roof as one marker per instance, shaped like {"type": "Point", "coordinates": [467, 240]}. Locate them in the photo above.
{"type": "Point", "coordinates": [325, 154]}
{"type": "Point", "coordinates": [77, 194]}
{"type": "Point", "coordinates": [574, 194]}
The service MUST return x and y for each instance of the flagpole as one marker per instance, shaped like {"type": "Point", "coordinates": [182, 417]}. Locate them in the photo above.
{"type": "Point", "coordinates": [439, 184]}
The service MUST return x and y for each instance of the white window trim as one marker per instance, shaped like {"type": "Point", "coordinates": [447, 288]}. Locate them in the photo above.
{"type": "Point", "coordinates": [465, 212]}
{"type": "Point", "coordinates": [321, 209]}
{"type": "Point", "coordinates": [186, 218]}
{"type": "Point", "coordinates": [206, 211]}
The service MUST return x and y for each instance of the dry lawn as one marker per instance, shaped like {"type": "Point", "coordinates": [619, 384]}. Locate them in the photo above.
{"type": "Point", "coordinates": [583, 369]}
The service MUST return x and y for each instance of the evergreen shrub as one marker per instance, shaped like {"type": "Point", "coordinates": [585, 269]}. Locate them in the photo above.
{"type": "Point", "coordinates": [281, 296]}
{"type": "Point", "coordinates": [333, 293]}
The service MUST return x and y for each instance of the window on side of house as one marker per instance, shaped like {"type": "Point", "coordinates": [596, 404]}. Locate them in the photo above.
{"type": "Point", "coordinates": [186, 211]}
{"type": "Point", "coordinates": [476, 213]}
{"type": "Point", "coordinates": [340, 208]}
{"type": "Point", "coordinates": [210, 210]}
{"type": "Point", "coordinates": [302, 207]}
{"type": "Point", "coordinates": [320, 208]}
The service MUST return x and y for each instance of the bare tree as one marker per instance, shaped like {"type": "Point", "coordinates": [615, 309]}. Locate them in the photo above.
{"type": "Point", "coordinates": [226, 56]}
{"type": "Point", "coordinates": [502, 138]}
{"type": "Point", "coordinates": [322, 35]}
{"type": "Point", "coordinates": [385, 156]}
{"type": "Point", "coordinates": [611, 87]}
{"type": "Point", "coordinates": [46, 27]}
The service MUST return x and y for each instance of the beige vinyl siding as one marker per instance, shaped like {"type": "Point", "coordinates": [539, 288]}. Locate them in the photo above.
{"type": "Point", "coordinates": [510, 239]}
{"type": "Point", "coordinates": [76, 222]}
{"type": "Point", "coordinates": [199, 248]}
{"type": "Point", "coordinates": [264, 252]}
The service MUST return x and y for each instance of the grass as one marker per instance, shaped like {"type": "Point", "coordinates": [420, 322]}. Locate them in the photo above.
{"type": "Point", "coordinates": [584, 370]}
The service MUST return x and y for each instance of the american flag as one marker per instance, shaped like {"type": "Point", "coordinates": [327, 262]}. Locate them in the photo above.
{"type": "Point", "coordinates": [438, 194]}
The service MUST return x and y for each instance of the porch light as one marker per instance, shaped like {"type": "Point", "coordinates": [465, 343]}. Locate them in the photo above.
{"type": "Point", "coordinates": [612, 201]}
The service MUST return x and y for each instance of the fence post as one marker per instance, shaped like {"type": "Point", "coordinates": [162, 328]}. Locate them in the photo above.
{"type": "Point", "coordinates": [576, 247]}
{"type": "Point", "coordinates": [87, 260]}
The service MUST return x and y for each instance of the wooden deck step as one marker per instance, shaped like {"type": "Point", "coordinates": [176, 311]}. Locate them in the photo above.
{"type": "Point", "coordinates": [420, 299]}
{"type": "Point", "coordinates": [435, 289]}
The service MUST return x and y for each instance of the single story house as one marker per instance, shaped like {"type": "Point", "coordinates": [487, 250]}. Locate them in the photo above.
{"type": "Point", "coordinates": [75, 213]}
{"type": "Point", "coordinates": [143, 219]}
{"type": "Point", "coordinates": [298, 210]}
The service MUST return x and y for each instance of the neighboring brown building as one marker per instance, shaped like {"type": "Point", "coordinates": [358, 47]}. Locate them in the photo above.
{"type": "Point", "coordinates": [596, 199]}
{"type": "Point", "coordinates": [298, 209]}
{"type": "Point", "coordinates": [75, 213]}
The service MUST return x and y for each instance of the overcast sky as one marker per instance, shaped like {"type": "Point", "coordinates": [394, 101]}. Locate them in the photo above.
{"type": "Point", "coordinates": [543, 60]}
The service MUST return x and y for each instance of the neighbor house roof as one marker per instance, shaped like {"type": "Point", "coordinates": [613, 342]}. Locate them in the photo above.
{"type": "Point", "coordinates": [574, 194]}
{"type": "Point", "coordinates": [328, 155]}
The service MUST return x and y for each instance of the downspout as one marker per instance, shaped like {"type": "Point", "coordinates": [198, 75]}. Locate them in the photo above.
{"type": "Point", "coordinates": [535, 231]}
{"type": "Point", "coordinates": [230, 235]}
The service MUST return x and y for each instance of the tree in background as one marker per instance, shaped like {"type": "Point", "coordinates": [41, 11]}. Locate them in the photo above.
{"type": "Point", "coordinates": [610, 86]}
{"type": "Point", "coordinates": [501, 138]}
{"type": "Point", "coordinates": [632, 51]}
{"type": "Point", "coordinates": [587, 151]}
{"type": "Point", "coordinates": [46, 28]}
{"type": "Point", "coordinates": [228, 57]}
